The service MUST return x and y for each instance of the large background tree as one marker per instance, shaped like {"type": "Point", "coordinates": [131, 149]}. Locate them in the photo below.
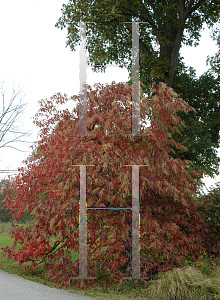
{"type": "Point", "coordinates": [201, 133]}
{"type": "Point", "coordinates": [48, 188]}
{"type": "Point", "coordinates": [169, 24]}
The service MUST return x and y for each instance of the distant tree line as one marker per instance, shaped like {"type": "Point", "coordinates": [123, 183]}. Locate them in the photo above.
{"type": "Point", "coordinates": [5, 213]}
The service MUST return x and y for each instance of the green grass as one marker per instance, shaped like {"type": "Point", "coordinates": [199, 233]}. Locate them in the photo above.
{"type": "Point", "coordinates": [99, 290]}
{"type": "Point", "coordinates": [184, 283]}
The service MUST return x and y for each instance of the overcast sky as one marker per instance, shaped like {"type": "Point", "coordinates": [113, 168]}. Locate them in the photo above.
{"type": "Point", "coordinates": [33, 57]}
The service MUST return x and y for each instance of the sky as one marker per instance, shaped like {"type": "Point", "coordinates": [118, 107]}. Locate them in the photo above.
{"type": "Point", "coordinates": [34, 59]}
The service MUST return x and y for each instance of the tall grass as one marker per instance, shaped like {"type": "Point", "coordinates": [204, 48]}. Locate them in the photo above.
{"type": "Point", "coordinates": [188, 283]}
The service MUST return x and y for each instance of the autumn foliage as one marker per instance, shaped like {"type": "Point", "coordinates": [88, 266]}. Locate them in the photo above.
{"type": "Point", "coordinates": [171, 229]}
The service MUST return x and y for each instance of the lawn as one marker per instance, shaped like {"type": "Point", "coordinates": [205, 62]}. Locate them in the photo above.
{"type": "Point", "coordinates": [100, 290]}
{"type": "Point", "coordinates": [187, 283]}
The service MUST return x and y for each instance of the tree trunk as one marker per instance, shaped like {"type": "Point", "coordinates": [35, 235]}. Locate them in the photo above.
{"type": "Point", "coordinates": [171, 53]}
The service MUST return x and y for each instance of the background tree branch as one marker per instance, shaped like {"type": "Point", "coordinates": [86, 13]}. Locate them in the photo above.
{"type": "Point", "coordinates": [10, 113]}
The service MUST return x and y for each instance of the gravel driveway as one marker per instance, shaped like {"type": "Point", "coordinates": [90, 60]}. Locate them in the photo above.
{"type": "Point", "coordinates": [13, 287]}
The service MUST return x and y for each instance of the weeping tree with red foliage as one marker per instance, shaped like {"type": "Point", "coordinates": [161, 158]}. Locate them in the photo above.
{"type": "Point", "coordinates": [171, 229]}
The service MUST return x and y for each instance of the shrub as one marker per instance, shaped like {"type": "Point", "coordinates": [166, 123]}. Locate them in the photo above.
{"type": "Point", "coordinates": [48, 187]}
{"type": "Point", "coordinates": [210, 205]}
